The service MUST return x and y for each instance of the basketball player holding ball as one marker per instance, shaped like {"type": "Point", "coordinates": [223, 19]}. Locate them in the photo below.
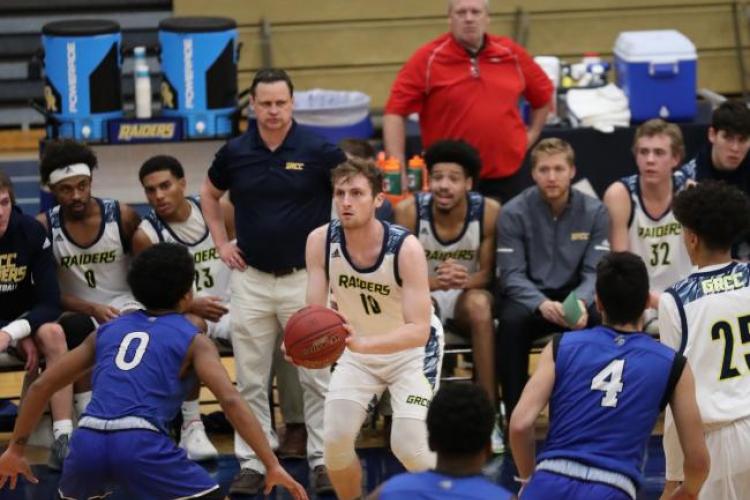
{"type": "Point", "coordinates": [377, 274]}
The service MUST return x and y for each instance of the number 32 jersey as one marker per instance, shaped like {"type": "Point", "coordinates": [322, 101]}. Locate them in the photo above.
{"type": "Point", "coordinates": [609, 389]}
{"type": "Point", "coordinates": [657, 240]}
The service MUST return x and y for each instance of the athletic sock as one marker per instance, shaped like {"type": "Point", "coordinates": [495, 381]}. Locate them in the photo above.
{"type": "Point", "coordinates": [81, 401]}
{"type": "Point", "coordinates": [190, 412]}
{"type": "Point", "coordinates": [61, 427]}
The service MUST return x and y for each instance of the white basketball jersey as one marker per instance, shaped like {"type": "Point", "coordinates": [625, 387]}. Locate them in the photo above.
{"type": "Point", "coordinates": [658, 240]}
{"type": "Point", "coordinates": [211, 274]}
{"type": "Point", "coordinates": [714, 312]}
{"type": "Point", "coordinates": [98, 272]}
{"type": "Point", "coordinates": [465, 248]}
{"type": "Point", "coordinates": [369, 298]}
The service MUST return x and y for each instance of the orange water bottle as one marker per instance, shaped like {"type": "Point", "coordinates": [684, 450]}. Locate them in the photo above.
{"type": "Point", "coordinates": [392, 176]}
{"type": "Point", "coordinates": [416, 173]}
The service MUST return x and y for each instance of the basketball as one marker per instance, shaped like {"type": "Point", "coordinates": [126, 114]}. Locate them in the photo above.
{"type": "Point", "coordinates": [314, 337]}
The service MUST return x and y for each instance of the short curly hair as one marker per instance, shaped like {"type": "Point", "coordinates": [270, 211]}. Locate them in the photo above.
{"type": "Point", "coordinates": [161, 275]}
{"type": "Point", "coordinates": [64, 152]}
{"type": "Point", "coordinates": [450, 151]}
{"type": "Point", "coordinates": [717, 212]}
{"type": "Point", "coordinates": [460, 420]}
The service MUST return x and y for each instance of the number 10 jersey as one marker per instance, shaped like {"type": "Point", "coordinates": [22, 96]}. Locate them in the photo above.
{"type": "Point", "coordinates": [370, 297]}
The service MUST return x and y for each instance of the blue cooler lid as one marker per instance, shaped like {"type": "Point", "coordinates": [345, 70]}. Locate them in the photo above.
{"type": "Point", "coordinates": [190, 24]}
{"type": "Point", "coordinates": [81, 27]}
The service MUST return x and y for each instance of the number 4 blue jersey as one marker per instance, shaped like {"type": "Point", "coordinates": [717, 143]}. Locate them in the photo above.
{"type": "Point", "coordinates": [609, 390]}
{"type": "Point", "coordinates": [137, 370]}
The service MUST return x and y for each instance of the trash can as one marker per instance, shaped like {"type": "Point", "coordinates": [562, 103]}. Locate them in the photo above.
{"type": "Point", "coordinates": [334, 114]}
{"type": "Point", "coordinates": [82, 68]}
{"type": "Point", "coordinates": [199, 66]}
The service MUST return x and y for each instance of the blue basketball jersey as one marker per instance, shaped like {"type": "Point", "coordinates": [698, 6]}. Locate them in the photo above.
{"type": "Point", "coordinates": [431, 485]}
{"type": "Point", "coordinates": [609, 390]}
{"type": "Point", "coordinates": [137, 370]}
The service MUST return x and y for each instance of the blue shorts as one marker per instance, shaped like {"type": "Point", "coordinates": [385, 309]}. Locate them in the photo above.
{"type": "Point", "coordinates": [147, 464]}
{"type": "Point", "coordinates": [545, 485]}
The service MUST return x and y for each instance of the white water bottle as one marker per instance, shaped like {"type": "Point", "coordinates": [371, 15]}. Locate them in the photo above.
{"type": "Point", "coordinates": [142, 84]}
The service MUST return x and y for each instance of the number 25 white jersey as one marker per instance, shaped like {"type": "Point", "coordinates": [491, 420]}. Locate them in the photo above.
{"type": "Point", "coordinates": [707, 317]}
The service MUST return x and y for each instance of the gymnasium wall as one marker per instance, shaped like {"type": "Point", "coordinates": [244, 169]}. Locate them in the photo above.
{"type": "Point", "coordinates": [361, 44]}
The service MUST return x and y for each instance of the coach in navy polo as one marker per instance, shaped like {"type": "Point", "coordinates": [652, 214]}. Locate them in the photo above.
{"type": "Point", "coordinates": [278, 177]}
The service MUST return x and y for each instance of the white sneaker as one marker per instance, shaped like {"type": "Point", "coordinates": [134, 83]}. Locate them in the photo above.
{"type": "Point", "coordinates": [195, 442]}
{"type": "Point", "coordinates": [498, 446]}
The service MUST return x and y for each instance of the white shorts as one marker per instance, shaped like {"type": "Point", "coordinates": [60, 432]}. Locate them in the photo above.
{"type": "Point", "coordinates": [221, 329]}
{"type": "Point", "coordinates": [411, 376]}
{"type": "Point", "coordinates": [446, 303]}
{"type": "Point", "coordinates": [729, 448]}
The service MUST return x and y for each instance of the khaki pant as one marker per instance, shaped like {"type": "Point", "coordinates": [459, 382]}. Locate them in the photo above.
{"type": "Point", "coordinates": [261, 305]}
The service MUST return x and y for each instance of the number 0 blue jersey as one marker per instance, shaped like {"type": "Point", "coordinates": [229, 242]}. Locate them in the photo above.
{"type": "Point", "coordinates": [609, 390]}
{"type": "Point", "coordinates": [137, 370]}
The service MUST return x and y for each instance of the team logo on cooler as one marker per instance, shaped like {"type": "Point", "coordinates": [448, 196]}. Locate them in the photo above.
{"type": "Point", "coordinates": [187, 60]}
{"type": "Point", "coordinates": [130, 131]}
{"type": "Point", "coordinates": [72, 78]}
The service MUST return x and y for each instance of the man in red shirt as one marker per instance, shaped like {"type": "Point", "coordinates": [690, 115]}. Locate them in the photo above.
{"type": "Point", "coordinates": [466, 84]}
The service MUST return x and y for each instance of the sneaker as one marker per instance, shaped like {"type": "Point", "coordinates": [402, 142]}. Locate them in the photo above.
{"type": "Point", "coordinates": [58, 451]}
{"type": "Point", "coordinates": [321, 482]}
{"type": "Point", "coordinates": [247, 482]}
{"type": "Point", "coordinates": [294, 444]}
{"type": "Point", "coordinates": [195, 442]}
{"type": "Point", "coordinates": [498, 441]}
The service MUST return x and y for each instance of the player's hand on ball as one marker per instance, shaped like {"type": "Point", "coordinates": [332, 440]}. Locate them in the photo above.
{"type": "Point", "coordinates": [11, 465]}
{"type": "Point", "coordinates": [278, 476]}
{"type": "Point", "coordinates": [354, 342]}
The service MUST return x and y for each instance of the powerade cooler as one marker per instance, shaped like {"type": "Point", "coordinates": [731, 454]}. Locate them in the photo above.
{"type": "Point", "coordinates": [82, 67]}
{"type": "Point", "coordinates": [657, 71]}
{"type": "Point", "coordinates": [199, 66]}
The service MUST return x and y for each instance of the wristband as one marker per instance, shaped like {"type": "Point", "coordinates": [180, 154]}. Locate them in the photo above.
{"type": "Point", "coordinates": [17, 329]}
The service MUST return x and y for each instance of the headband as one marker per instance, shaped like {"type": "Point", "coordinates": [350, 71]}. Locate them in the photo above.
{"type": "Point", "coordinates": [62, 173]}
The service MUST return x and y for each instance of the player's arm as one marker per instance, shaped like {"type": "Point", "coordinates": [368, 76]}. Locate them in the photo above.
{"type": "Point", "coordinates": [670, 325]}
{"type": "Point", "coordinates": [534, 398]}
{"type": "Point", "coordinates": [405, 213]}
{"type": "Point", "coordinates": [141, 241]}
{"type": "Point", "coordinates": [618, 203]}
{"type": "Point", "coordinates": [689, 425]}
{"type": "Point", "coordinates": [317, 280]}
{"type": "Point", "coordinates": [204, 358]}
{"type": "Point", "coordinates": [130, 221]}
{"type": "Point", "coordinates": [101, 312]}
{"type": "Point", "coordinates": [484, 274]}
{"type": "Point", "coordinates": [415, 303]}
{"type": "Point", "coordinates": [212, 213]}
{"type": "Point", "coordinates": [70, 367]}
